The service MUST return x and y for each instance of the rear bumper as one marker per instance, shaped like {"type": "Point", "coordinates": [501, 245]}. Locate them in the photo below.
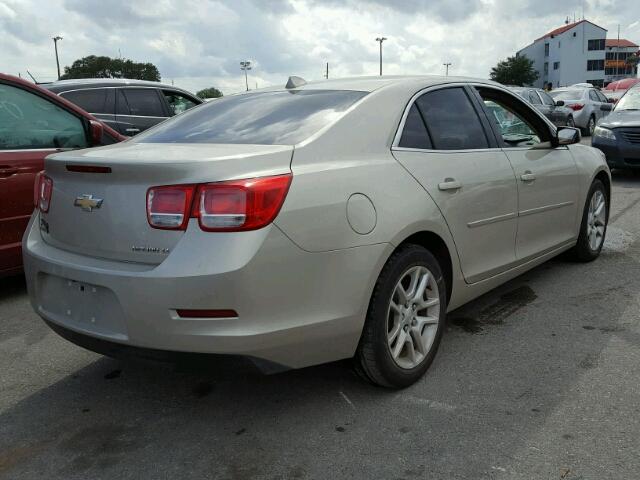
{"type": "Point", "coordinates": [619, 153]}
{"type": "Point", "coordinates": [294, 308]}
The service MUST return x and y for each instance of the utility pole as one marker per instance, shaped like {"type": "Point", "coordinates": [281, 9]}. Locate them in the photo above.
{"type": "Point", "coordinates": [380, 40]}
{"type": "Point", "coordinates": [617, 53]}
{"type": "Point", "coordinates": [447, 65]}
{"type": "Point", "coordinates": [246, 65]}
{"type": "Point", "coordinates": [326, 75]}
{"type": "Point", "coordinates": [55, 45]}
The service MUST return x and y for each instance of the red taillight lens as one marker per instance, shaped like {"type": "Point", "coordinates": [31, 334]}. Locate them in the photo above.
{"type": "Point", "coordinates": [42, 192]}
{"type": "Point", "coordinates": [168, 207]}
{"type": "Point", "coordinates": [239, 205]}
{"type": "Point", "coordinates": [576, 106]}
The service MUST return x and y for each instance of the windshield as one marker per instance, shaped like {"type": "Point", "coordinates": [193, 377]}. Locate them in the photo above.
{"type": "Point", "coordinates": [266, 118]}
{"type": "Point", "coordinates": [630, 101]}
{"type": "Point", "coordinates": [567, 94]}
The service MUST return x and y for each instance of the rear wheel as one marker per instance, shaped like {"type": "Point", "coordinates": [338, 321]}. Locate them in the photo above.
{"type": "Point", "coordinates": [594, 224]}
{"type": "Point", "coordinates": [405, 319]}
{"type": "Point", "coordinates": [591, 126]}
{"type": "Point", "coordinates": [571, 122]}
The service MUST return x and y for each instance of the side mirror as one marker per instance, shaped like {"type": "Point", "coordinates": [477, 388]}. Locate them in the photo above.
{"type": "Point", "coordinates": [606, 107]}
{"type": "Point", "coordinates": [95, 132]}
{"type": "Point", "coordinates": [568, 135]}
{"type": "Point", "coordinates": [559, 103]}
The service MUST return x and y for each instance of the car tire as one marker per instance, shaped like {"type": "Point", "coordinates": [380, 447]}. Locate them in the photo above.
{"type": "Point", "coordinates": [399, 361]}
{"type": "Point", "coordinates": [590, 242]}
{"type": "Point", "coordinates": [591, 125]}
{"type": "Point", "coordinates": [571, 122]}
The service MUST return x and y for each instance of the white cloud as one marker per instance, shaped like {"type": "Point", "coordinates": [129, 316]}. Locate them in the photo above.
{"type": "Point", "coordinates": [199, 43]}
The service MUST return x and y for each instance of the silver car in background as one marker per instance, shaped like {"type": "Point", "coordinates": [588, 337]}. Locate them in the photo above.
{"type": "Point", "coordinates": [311, 223]}
{"type": "Point", "coordinates": [554, 110]}
{"type": "Point", "coordinates": [589, 105]}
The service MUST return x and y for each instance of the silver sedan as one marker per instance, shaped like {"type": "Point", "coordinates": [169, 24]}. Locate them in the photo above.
{"type": "Point", "coordinates": [310, 223]}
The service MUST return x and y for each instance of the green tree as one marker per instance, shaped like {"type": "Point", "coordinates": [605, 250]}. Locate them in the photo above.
{"type": "Point", "coordinates": [211, 92]}
{"type": "Point", "coordinates": [106, 67]}
{"type": "Point", "coordinates": [517, 70]}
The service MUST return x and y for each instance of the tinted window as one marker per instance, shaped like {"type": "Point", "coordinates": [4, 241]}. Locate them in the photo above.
{"type": "Point", "coordinates": [267, 118]}
{"type": "Point", "coordinates": [546, 99]}
{"type": "Point", "coordinates": [414, 133]}
{"type": "Point", "coordinates": [177, 102]}
{"type": "Point", "coordinates": [144, 102]}
{"type": "Point", "coordinates": [93, 100]}
{"type": "Point", "coordinates": [29, 121]}
{"type": "Point", "coordinates": [451, 120]}
{"type": "Point", "coordinates": [533, 98]}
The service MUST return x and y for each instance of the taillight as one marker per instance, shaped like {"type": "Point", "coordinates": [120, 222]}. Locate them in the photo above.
{"type": "Point", "coordinates": [237, 205]}
{"type": "Point", "coordinates": [576, 106]}
{"type": "Point", "coordinates": [168, 207]}
{"type": "Point", "coordinates": [231, 206]}
{"type": "Point", "coordinates": [42, 192]}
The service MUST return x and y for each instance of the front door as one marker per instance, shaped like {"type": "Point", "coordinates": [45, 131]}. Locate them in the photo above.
{"type": "Point", "coordinates": [547, 177]}
{"type": "Point", "coordinates": [138, 108]}
{"type": "Point", "coordinates": [449, 149]}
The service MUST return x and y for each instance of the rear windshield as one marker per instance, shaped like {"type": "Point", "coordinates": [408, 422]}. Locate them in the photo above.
{"type": "Point", "coordinates": [567, 94]}
{"type": "Point", "coordinates": [266, 118]}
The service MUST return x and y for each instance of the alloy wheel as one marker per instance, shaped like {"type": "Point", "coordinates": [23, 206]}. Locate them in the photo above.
{"type": "Point", "coordinates": [413, 317]}
{"type": "Point", "coordinates": [596, 220]}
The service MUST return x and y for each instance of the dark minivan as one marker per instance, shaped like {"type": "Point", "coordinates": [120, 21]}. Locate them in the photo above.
{"type": "Point", "coordinates": [128, 106]}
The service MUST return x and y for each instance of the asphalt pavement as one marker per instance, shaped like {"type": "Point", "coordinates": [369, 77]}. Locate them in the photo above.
{"type": "Point", "coordinates": [535, 380]}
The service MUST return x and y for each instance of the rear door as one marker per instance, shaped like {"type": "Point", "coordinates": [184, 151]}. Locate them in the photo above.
{"type": "Point", "coordinates": [451, 151]}
{"type": "Point", "coordinates": [547, 177]}
{"type": "Point", "coordinates": [138, 108]}
{"type": "Point", "coordinates": [31, 127]}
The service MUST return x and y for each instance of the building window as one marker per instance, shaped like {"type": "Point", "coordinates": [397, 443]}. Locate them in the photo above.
{"type": "Point", "coordinates": [596, 44]}
{"type": "Point", "coordinates": [596, 83]}
{"type": "Point", "coordinates": [556, 65]}
{"type": "Point", "coordinates": [595, 65]}
{"type": "Point", "coordinates": [546, 68]}
{"type": "Point", "coordinates": [546, 49]}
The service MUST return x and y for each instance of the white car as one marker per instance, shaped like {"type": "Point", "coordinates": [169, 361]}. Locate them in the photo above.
{"type": "Point", "coordinates": [311, 223]}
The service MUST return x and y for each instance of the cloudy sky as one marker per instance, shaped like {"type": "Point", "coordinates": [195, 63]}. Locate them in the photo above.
{"type": "Point", "coordinates": [199, 43]}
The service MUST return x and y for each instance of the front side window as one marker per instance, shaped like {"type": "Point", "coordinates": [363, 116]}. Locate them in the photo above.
{"type": "Point", "coordinates": [414, 133]}
{"type": "Point", "coordinates": [143, 102]}
{"type": "Point", "coordinates": [514, 120]}
{"type": "Point", "coordinates": [266, 118]}
{"type": "Point", "coordinates": [177, 102]}
{"type": "Point", "coordinates": [28, 121]}
{"type": "Point", "coordinates": [451, 120]}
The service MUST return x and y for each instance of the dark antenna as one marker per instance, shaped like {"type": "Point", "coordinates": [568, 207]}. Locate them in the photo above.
{"type": "Point", "coordinates": [32, 77]}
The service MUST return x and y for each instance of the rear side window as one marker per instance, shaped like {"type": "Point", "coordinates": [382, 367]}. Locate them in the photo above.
{"type": "Point", "coordinates": [452, 122]}
{"type": "Point", "coordinates": [593, 96]}
{"type": "Point", "coordinates": [92, 101]}
{"type": "Point", "coordinates": [414, 133]}
{"type": "Point", "coordinates": [143, 102]}
{"type": "Point", "coordinates": [533, 98]}
{"type": "Point", "coordinates": [266, 118]}
{"type": "Point", "coordinates": [546, 99]}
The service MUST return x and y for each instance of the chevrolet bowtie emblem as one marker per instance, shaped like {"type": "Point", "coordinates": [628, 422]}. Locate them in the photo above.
{"type": "Point", "coordinates": [87, 202]}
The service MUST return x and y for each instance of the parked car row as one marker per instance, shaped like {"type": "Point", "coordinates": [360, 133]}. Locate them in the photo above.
{"type": "Point", "coordinates": [554, 110]}
{"type": "Point", "coordinates": [589, 105]}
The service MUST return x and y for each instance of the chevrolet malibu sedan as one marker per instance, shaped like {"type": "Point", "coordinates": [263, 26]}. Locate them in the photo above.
{"type": "Point", "coordinates": [311, 223]}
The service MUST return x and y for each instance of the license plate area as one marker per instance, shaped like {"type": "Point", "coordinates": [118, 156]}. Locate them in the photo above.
{"type": "Point", "coordinates": [81, 306]}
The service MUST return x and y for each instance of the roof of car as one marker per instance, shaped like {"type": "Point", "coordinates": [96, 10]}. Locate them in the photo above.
{"type": "Point", "coordinates": [63, 85]}
{"type": "Point", "coordinates": [369, 84]}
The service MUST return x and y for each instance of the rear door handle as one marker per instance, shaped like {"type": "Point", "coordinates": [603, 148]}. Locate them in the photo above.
{"type": "Point", "coordinates": [527, 176]}
{"type": "Point", "coordinates": [7, 171]}
{"type": "Point", "coordinates": [450, 184]}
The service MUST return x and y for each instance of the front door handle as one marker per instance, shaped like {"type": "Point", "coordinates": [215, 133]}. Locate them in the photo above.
{"type": "Point", "coordinates": [527, 176]}
{"type": "Point", "coordinates": [450, 184]}
{"type": "Point", "coordinates": [132, 130]}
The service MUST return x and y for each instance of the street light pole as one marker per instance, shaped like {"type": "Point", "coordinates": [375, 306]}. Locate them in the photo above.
{"type": "Point", "coordinates": [447, 65]}
{"type": "Point", "coordinates": [380, 40]}
{"type": "Point", "coordinates": [55, 45]}
{"type": "Point", "coordinates": [246, 65]}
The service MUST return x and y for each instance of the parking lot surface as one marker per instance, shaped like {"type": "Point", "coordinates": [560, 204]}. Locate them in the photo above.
{"type": "Point", "coordinates": [535, 380]}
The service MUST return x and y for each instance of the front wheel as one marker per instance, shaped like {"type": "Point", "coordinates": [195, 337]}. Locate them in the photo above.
{"type": "Point", "coordinates": [405, 319]}
{"type": "Point", "coordinates": [594, 224]}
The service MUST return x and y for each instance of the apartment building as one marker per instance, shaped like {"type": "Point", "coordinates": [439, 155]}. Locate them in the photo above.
{"type": "Point", "coordinates": [615, 63]}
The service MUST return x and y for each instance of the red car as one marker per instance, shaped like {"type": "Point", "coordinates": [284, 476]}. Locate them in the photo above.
{"type": "Point", "coordinates": [33, 124]}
